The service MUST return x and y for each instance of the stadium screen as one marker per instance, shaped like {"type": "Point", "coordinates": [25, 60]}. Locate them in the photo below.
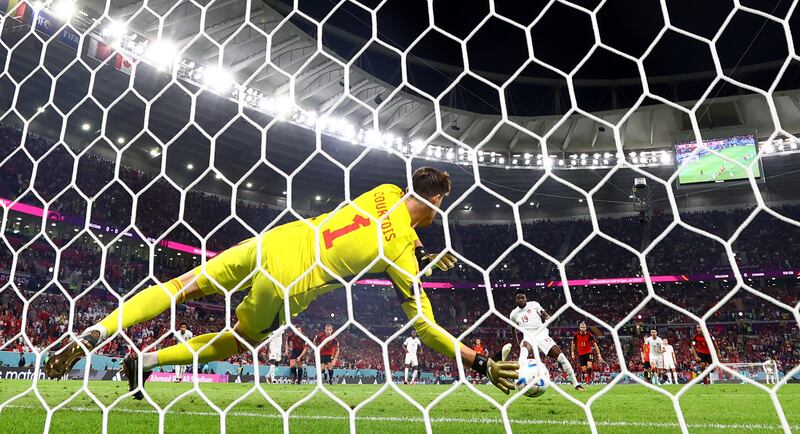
{"type": "Point", "coordinates": [705, 167]}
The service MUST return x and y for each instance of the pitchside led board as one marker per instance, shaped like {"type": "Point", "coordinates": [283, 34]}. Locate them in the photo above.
{"type": "Point", "coordinates": [703, 167]}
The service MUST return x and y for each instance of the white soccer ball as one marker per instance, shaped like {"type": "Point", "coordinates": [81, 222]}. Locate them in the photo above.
{"type": "Point", "coordinates": [533, 373]}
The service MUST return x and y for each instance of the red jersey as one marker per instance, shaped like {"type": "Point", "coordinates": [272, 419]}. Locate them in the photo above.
{"type": "Point", "coordinates": [700, 344]}
{"type": "Point", "coordinates": [646, 352]}
{"type": "Point", "coordinates": [297, 342]}
{"type": "Point", "coordinates": [329, 349]}
{"type": "Point", "coordinates": [584, 342]}
{"type": "Point", "coordinates": [478, 348]}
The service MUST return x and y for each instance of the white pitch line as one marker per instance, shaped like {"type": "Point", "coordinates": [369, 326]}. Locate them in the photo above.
{"type": "Point", "coordinates": [479, 420]}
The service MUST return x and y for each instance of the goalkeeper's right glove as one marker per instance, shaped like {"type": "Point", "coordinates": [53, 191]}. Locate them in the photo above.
{"type": "Point", "coordinates": [446, 262]}
{"type": "Point", "coordinates": [502, 374]}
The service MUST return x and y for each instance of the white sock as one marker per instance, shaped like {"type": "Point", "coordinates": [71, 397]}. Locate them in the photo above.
{"type": "Point", "coordinates": [567, 367]}
{"type": "Point", "coordinates": [272, 369]}
{"type": "Point", "coordinates": [414, 376]}
{"type": "Point", "coordinates": [149, 360]}
{"type": "Point", "coordinates": [675, 377]}
{"type": "Point", "coordinates": [99, 328]}
{"type": "Point", "coordinates": [523, 354]}
{"type": "Point", "coordinates": [405, 377]}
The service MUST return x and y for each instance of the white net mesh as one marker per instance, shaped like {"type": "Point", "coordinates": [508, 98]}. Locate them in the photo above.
{"type": "Point", "coordinates": [170, 34]}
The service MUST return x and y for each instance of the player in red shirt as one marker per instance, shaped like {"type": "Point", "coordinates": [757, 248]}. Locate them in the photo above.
{"type": "Point", "coordinates": [328, 354]}
{"type": "Point", "coordinates": [296, 348]}
{"type": "Point", "coordinates": [646, 359]}
{"type": "Point", "coordinates": [586, 344]}
{"type": "Point", "coordinates": [701, 352]}
{"type": "Point", "coordinates": [479, 349]}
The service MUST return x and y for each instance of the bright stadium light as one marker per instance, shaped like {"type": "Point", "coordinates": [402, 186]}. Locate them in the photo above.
{"type": "Point", "coordinates": [160, 53]}
{"type": "Point", "coordinates": [218, 79]}
{"type": "Point", "coordinates": [63, 10]}
{"type": "Point", "coordinates": [86, 127]}
{"type": "Point", "coordinates": [155, 152]}
{"type": "Point", "coordinates": [120, 140]}
{"type": "Point", "coordinates": [190, 166]}
{"type": "Point", "coordinates": [249, 185]}
{"type": "Point", "coordinates": [318, 198]}
{"type": "Point", "coordinates": [115, 30]}
{"type": "Point", "coordinates": [217, 175]}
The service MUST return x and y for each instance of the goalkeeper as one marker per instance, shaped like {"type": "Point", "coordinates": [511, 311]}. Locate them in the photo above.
{"type": "Point", "coordinates": [349, 241]}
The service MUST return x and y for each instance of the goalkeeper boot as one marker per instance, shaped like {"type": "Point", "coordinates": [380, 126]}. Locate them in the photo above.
{"type": "Point", "coordinates": [130, 367]}
{"type": "Point", "coordinates": [580, 388]}
{"type": "Point", "coordinates": [62, 361]}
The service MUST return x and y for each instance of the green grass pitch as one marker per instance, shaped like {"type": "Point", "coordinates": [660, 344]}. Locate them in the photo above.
{"type": "Point", "coordinates": [624, 409]}
{"type": "Point", "coordinates": [707, 166]}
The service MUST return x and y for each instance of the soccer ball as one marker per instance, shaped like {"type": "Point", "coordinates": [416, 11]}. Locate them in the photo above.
{"type": "Point", "coordinates": [535, 373]}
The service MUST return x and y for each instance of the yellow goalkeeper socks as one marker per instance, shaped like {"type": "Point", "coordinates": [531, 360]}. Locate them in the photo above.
{"type": "Point", "coordinates": [143, 306]}
{"type": "Point", "coordinates": [180, 354]}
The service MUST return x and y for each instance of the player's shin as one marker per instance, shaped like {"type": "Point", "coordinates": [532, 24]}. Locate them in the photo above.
{"type": "Point", "coordinates": [523, 353]}
{"type": "Point", "coordinates": [182, 354]}
{"type": "Point", "coordinates": [567, 367]}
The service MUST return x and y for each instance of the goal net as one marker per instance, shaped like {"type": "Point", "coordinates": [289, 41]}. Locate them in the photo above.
{"type": "Point", "coordinates": [141, 139]}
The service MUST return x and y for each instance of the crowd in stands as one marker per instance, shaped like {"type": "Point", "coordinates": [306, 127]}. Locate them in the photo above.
{"type": "Point", "coordinates": [746, 328]}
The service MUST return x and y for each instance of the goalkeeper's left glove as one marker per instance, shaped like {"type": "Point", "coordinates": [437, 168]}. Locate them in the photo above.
{"type": "Point", "coordinates": [502, 374]}
{"type": "Point", "coordinates": [445, 263]}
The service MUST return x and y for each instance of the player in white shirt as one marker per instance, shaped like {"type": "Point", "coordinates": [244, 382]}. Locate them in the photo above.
{"type": "Point", "coordinates": [771, 369]}
{"type": "Point", "coordinates": [656, 356]}
{"type": "Point", "coordinates": [184, 334]}
{"type": "Point", "coordinates": [529, 316]}
{"type": "Point", "coordinates": [668, 354]}
{"type": "Point", "coordinates": [274, 355]}
{"type": "Point", "coordinates": [411, 345]}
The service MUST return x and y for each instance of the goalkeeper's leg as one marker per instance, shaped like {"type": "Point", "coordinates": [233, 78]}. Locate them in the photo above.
{"type": "Point", "coordinates": [145, 305]}
{"type": "Point", "coordinates": [229, 269]}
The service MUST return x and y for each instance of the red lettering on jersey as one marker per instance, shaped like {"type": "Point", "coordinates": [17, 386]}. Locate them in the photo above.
{"type": "Point", "coordinates": [358, 222]}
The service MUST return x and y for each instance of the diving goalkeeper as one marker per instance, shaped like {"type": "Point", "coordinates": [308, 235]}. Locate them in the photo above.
{"type": "Point", "coordinates": [349, 241]}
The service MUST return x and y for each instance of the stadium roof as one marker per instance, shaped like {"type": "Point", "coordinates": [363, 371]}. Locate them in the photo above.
{"type": "Point", "coordinates": [242, 42]}
{"type": "Point", "coordinates": [751, 49]}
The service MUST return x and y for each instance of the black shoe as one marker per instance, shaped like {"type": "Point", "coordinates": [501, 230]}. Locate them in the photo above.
{"type": "Point", "coordinates": [62, 361]}
{"type": "Point", "coordinates": [580, 388]}
{"type": "Point", "coordinates": [130, 367]}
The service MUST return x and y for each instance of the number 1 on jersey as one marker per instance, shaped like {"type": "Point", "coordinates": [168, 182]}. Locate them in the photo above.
{"type": "Point", "coordinates": [358, 222]}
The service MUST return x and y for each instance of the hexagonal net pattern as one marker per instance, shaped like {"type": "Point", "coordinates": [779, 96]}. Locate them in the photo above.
{"type": "Point", "coordinates": [99, 49]}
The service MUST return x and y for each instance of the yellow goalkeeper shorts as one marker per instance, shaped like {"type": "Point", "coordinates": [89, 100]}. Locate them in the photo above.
{"type": "Point", "coordinates": [262, 309]}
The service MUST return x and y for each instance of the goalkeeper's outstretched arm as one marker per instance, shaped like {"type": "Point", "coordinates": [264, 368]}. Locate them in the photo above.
{"type": "Point", "coordinates": [502, 374]}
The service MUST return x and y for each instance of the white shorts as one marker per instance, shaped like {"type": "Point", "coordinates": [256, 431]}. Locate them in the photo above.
{"type": "Point", "coordinates": [179, 370]}
{"type": "Point", "coordinates": [541, 341]}
{"type": "Point", "coordinates": [657, 361]}
{"type": "Point", "coordinates": [669, 363]}
{"type": "Point", "coordinates": [275, 348]}
{"type": "Point", "coordinates": [411, 359]}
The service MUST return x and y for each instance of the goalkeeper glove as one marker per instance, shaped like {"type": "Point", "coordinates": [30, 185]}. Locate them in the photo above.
{"type": "Point", "coordinates": [502, 374]}
{"type": "Point", "coordinates": [445, 263]}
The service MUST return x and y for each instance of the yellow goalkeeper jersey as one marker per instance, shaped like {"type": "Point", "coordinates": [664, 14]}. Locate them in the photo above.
{"type": "Point", "coordinates": [349, 242]}
{"type": "Point", "coordinates": [372, 233]}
